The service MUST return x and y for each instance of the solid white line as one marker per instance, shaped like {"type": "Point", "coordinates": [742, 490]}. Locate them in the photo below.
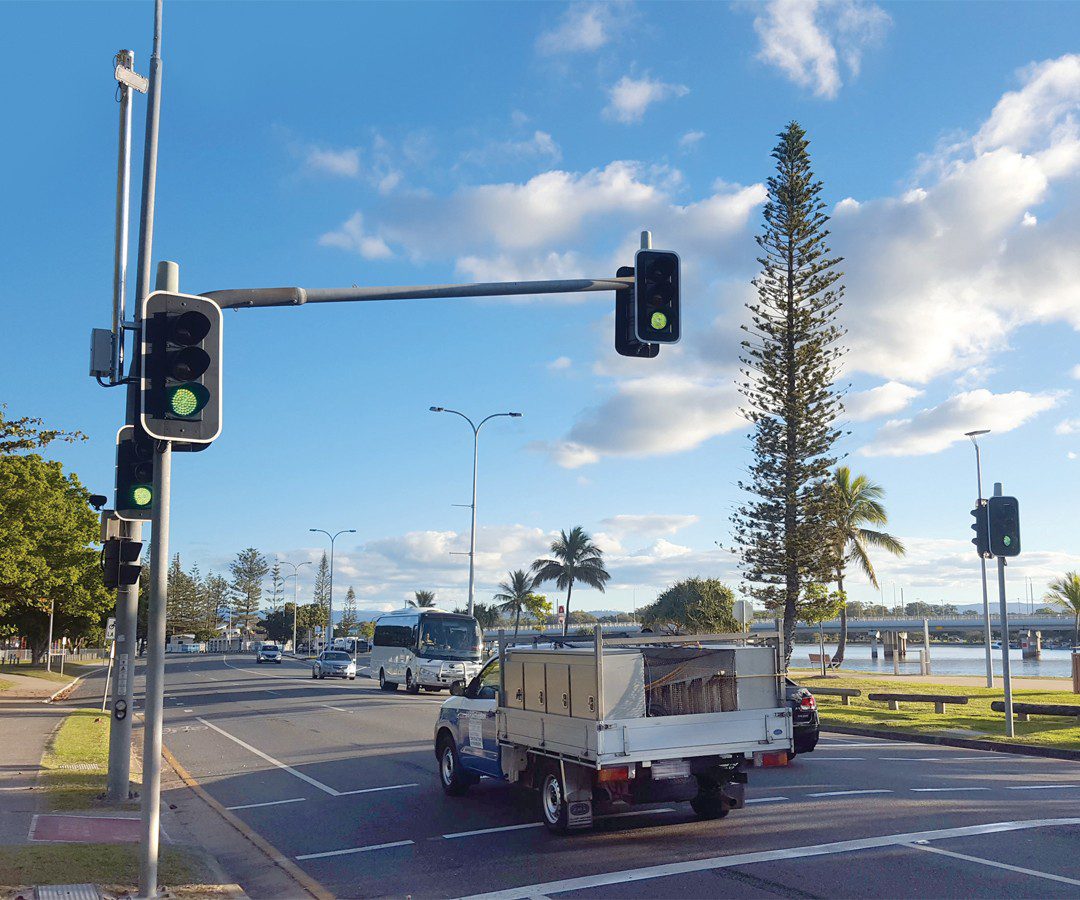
{"type": "Point", "coordinates": [938, 790]}
{"type": "Point", "coordinates": [766, 799]}
{"type": "Point", "coordinates": [1040, 787]}
{"type": "Point", "coordinates": [389, 787]}
{"type": "Point", "coordinates": [742, 859]}
{"type": "Point", "coordinates": [846, 793]}
{"type": "Point", "coordinates": [322, 787]}
{"type": "Point", "coordinates": [843, 758]}
{"type": "Point", "coordinates": [843, 746]}
{"type": "Point", "coordinates": [995, 864]}
{"type": "Point", "coordinates": [334, 708]}
{"type": "Point", "coordinates": [353, 850]}
{"type": "Point", "coordinates": [621, 815]}
{"type": "Point", "coordinates": [270, 803]}
{"type": "Point", "coordinates": [909, 759]}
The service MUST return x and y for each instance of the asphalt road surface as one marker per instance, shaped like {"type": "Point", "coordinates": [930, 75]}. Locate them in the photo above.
{"type": "Point", "coordinates": [340, 777]}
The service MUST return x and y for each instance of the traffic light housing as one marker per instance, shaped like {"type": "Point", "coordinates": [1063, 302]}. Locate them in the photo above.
{"type": "Point", "coordinates": [181, 368]}
{"type": "Point", "coordinates": [656, 297]}
{"type": "Point", "coordinates": [982, 535]}
{"type": "Point", "coordinates": [120, 562]}
{"type": "Point", "coordinates": [134, 497]}
{"type": "Point", "coordinates": [626, 342]}
{"type": "Point", "coordinates": [1003, 517]}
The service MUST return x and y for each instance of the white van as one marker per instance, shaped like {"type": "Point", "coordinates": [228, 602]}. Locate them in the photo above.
{"type": "Point", "coordinates": [425, 648]}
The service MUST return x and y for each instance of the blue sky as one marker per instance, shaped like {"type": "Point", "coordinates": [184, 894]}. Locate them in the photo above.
{"type": "Point", "coordinates": [327, 145]}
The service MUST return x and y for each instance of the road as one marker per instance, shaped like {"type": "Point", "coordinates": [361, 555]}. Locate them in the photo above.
{"type": "Point", "coordinates": [340, 777]}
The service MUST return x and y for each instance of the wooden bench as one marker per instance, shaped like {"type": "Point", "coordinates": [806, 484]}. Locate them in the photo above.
{"type": "Point", "coordinates": [939, 700]}
{"type": "Point", "coordinates": [1023, 711]}
{"type": "Point", "coordinates": [845, 694]}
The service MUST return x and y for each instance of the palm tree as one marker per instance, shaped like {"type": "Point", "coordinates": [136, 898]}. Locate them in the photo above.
{"type": "Point", "coordinates": [577, 558]}
{"type": "Point", "coordinates": [424, 598]}
{"type": "Point", "coordinates": [514, 593]}
{"type": "Point", "coordinates": [1066, 592]}
{"type": "Point", "coordinates": [856, 502]}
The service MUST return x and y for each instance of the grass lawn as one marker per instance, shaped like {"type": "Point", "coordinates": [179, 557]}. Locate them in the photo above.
{"type": "Point", "coordinates": [112, 864]}
{"type": "Point", "coordinates": [71, 670]}
{"type": "Point", "coordinates": [976, 720]}
{"type": "Point", "coordinates": [4, 685]}
{"type": "Point", "coordinates": [76, 762]}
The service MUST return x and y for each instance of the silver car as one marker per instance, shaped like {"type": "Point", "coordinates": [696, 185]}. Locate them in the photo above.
{"type": "Point", "coordinates": [334, 664]}
{"type": "Point", "coordinates": [269, 653]}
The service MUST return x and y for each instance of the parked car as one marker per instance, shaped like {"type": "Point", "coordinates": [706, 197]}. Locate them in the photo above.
{"type": "Point", "coordinates": [268, 653]}
{"type": "Point", "coordinates": [334, 664]}
{"type": "Point", "coordinates": [804, 717]}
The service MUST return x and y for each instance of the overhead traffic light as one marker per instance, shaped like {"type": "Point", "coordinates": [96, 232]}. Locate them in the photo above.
{"type": "Point", "coordinates": [626, 343]}
{"type": "Point", "coordinates": [982, 535]}
{"type": "Point", "coordinates": [134, 498]}
{"type": "Point", "coordinates": [656, 297]}
{"type": "Point", "coordinates": [181, 368]}
{"type": "Point", "coordinates": [120, 562]}
{"type": "Point", "coordinates": [1003, 518]}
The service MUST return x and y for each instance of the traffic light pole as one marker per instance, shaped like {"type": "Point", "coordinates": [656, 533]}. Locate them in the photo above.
{"type": "Point", "coordinates": [127, 623]}
{"type": "Point", "coordinates": [1006, 672]}
{"type": "Point", "coordinates": [987, 637]}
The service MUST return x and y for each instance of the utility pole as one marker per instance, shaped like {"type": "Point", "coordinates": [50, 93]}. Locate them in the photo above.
{"type": "Point", "coordinates": [1006, 672]}
{"type": "Point", "coordinates": [295, 608]}
{"type": "Point", "coordinates": [987, 636]}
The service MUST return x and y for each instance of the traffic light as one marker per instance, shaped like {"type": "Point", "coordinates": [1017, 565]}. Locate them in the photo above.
{"type": "Point", "coordinates": [120, 562]}
{"type": "Point", "coordinates": [626, 344]}
{"type": "Point", "coordinates": [1003, 517]}
{"type": "Point", "coordinates": [181, 368]}
{"type": "Point", "coordinates": [982, 536]}
{"type": "Point", "coordinates": [134, 474]}
{"type": "Point", "coordinates": [656, 296]}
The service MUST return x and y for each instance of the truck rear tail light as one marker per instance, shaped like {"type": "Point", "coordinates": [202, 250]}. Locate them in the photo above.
{"type": "Point", "coordinates": [615, 773]}
{"type": "Point", "coordinates": [808, 702]}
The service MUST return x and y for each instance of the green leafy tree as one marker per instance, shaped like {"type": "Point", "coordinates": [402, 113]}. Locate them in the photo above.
{"type": "Point", "coordinates": [486, 615]}
{"type": "Point", "coordinates": [693, 606]}
{"type": "Point", "coordinates": [856, 503]}
{"type": "Point", "coordinates": [424, 598]}
{"type": "Point", "coordinates": [575, 558]}
{"type": "Point", "coordinates": [216, 604]}
{"type": "Point", "coordinates": [276, 599]}
{"type": "Point", "coordinates": [580, 617]}
{"type": "Point", "coordinates": [248, 571]}
{"type": "Point", "coordinates": [48, 554]}
{"type": "Point", "coordinates": [322, 591]}
{"type": "Point", "coordinates": [820, 604]}
{"type": "Point", "coordinates": [789, 364]}
{"type": "Point", "coordinates": [277, 623]}
{"type": "Point", "coordinates": [348, 615]}
{"type": "Point", "coordinates": [310, 617]}
{"type": "Point", "coordinates": [30, 433]}
{"type": "Point", "coordinates": [538, 609]}
{"type": "Point", "coordinates": [513, 595]}
{"type": "Point", "coordinates": [182, 612]}
{"type": "Point", "coordinates": [366, 630]}
{"type": "Point", "coordinates": [1065, 591]}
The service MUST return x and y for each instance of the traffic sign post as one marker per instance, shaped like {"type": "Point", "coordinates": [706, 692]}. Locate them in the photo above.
{"type": "Point", "coordinates": [1006, 672]}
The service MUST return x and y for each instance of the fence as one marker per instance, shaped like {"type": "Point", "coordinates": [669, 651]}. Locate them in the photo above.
{"type": "Point", "coordinates": [83, 655]}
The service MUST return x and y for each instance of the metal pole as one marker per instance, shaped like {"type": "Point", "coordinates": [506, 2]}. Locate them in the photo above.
{"type": "Point", "coordinates": [472, 527]}
{"type": "Point", "coordinates": [821, 646]}
{"type": "Point", "coordinates": [295, 589]}
{"type": "Point", "coordinates": [646, 240]}
{"type": "Point", "coordinates": [926, 643]}
{"type": "Point", "coordinates": [48, 648]}
{"type": "Point", "coordinates": [168, 278]}
{"type": "Point", "coordinates": [987, 636]}
{"type": "Point", "coordinates": [125, 58]}
{"type": "Point", "coordinates": [330, 606]}
{"type": "Point", "coordinates": [1006, 672]}
{"type": "Point", "coordinates": [127, 635]}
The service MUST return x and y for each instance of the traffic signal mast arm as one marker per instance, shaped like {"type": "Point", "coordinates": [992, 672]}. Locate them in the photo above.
{"type": "Point", "coordinates": [244, 298]}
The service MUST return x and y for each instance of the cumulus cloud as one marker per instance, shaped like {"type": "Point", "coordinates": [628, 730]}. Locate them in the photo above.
{"type": "Point", "coordinates": [345, 163]}
{"type": "Point", "coordinates": [351, 236]}
{"type": "Point", "coordinates": [1075, 372]}
{"type": "Point", "coordinates": [691, 139]}
{"type": "Point", "coordinates": [883, 400]}
{"type": "Point", "coordinates": [629, 98]}
{"type": "Point", "coordinates": [939, 427]}
{"type": "Point", "coordinates": [541, 147]}
{"type": "Point", "coordinates": [583, 28]}
{"type": "Point", "coordinates": [1068, 426]}
{"type": "Point", "coordinates": [560, 364]}
{"type": "Point", "coordinates": [648, 525]}
{"type": "Point", "coordinates": [810, 41]}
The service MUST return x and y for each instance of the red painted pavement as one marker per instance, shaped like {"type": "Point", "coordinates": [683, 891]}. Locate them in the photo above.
{"type": "Point", "coordinates": [85, 829]}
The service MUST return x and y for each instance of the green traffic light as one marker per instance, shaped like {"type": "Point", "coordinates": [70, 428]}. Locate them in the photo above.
{"type": "Point", "coordinates": [1007, 541]}
{"type": "Point", "coordinates": [186, 400]}
{"type": "Point", "coordinates": [658, 321]}
{"type": "Point", "coordinates": [141, 495]}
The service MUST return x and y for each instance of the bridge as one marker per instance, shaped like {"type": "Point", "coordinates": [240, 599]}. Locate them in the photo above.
{"type": "Point", "coordinates": [937, 623]}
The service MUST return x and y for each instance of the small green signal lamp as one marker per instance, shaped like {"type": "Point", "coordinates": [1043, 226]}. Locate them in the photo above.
{"type": "Point", "coordinates": [658, 321]}
{"type": "Point", "coordinates": [141, 496]}
{"type": "Point", "coordinates": [187, 400]}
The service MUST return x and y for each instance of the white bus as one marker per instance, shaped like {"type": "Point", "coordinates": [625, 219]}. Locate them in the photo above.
{"type": "Point", "coordinates": [425, 648]}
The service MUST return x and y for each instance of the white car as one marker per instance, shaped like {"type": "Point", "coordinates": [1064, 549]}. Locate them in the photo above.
{"type": "Point", "coordinates": [269, 653]}
{"type": "Point", "coordinates": [334, 664]}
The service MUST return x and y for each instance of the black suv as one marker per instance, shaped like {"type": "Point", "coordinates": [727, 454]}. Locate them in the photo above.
{"type": "Point", "coordinates": [804, 717]}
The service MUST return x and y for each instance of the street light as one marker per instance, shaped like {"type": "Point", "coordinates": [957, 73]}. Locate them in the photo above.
{"type": "Point", "coordinates": [330, 610]}
{"type": "Point", "coordinates": [472, 506]}
{"type": "Point", "coordinates": [296, 581]}
{"type": "Point", "coordinates": [973, 436]}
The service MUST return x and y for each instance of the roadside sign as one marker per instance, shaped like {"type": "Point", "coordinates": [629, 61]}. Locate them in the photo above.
{"type": "Point", "coordinates": [110, 629]}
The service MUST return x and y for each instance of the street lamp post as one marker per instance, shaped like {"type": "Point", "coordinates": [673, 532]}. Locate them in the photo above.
{"type": "Point", "coordinates": [330, 610]}
{"type": "Point", "coordinates": [472, 528]}
{"type": "Point", "coordinates": [296, 581]}
{"type": "Point", "coordinates": [973, 436]}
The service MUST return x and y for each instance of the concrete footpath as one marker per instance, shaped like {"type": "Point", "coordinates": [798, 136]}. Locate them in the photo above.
{"type": "Point", "coordinates": [1023, 684]}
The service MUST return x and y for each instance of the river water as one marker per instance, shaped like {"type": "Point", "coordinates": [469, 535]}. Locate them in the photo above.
{"type": "Point", "coordinates": [945, 659]}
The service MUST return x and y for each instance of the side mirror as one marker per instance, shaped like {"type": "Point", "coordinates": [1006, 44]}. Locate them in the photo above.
{"type": "Point", "coordinates": [457, 689]}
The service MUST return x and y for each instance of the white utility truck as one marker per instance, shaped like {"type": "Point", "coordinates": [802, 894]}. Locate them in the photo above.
{"type": "Point", "coordinates": [648, 719]}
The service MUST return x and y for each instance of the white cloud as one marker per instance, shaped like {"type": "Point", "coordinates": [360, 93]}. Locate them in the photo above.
{"type": "Point", "coordinates": [1070, 455]}
{"type": "Point", "coordinates": [560, 364]}
{"type": "Point", "coordinates": [351, 236]}
{"type": "Point", "coordinates": [883, 400]}
{"type": "Point", "coordinates": [629, 98]}
{"type": "Point", "coordinates": [1068, 426]}
{"type": "Point", "coordinates": [691, 139]}
{"type": "Point", "coordinates": [934, 429]}
{"type": "Point", "coordinates": [583, 28]}
{"type": "Point", "coordinates": [345, 163]}
{"type": "Point", "coordinates": [624, 525]}
{"type": "Point", "coordinates": [540, 146]}
{"type": "Point", "coordinates": [809, 39]}
{"type": "Point", "coordinates": [1075, 372]}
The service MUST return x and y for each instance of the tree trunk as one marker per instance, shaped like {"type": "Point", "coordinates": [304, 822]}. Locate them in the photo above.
{"type": "Point", "coordinates": [842, 643]}
{"type": "Point", "coordinates": [1076, 633]}
{"type": "Point", "coordinates": [566, 618]}
{"type": "Point", "coordinates": [517, 619]}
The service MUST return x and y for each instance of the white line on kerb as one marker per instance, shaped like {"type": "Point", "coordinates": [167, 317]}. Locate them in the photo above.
{"type": "Point", "coordinates": [389, 787]}
{"type": "Point", "coordinates": [742, 859]}
{"type": "Point", "coordinates": [847, 793]}
{"type": "Point", "coordinates": [843, 758]}
{"type": "Point", "coordinates": [766, 799]}
{"type": "Point", "coordinates": [995, 864]}
{"type": "Point", "coordinates": [268, 803]}
{"type": "Point", "coordinates": [354, 850]}
{"type": "Point", "coordinates": [1040, 787]}
{"type": "Point", "coordinates": [938, 790]}
{"type": "Point", "coordinates": [334, 708]}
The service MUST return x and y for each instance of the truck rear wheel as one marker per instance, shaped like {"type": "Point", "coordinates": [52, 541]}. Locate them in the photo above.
{"type": "Point", "coordinates": [710, 804]}
{"type": "Point", "coordinates": [554, 810]}
{"type": "Point", "coordinates": [454, 780]}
